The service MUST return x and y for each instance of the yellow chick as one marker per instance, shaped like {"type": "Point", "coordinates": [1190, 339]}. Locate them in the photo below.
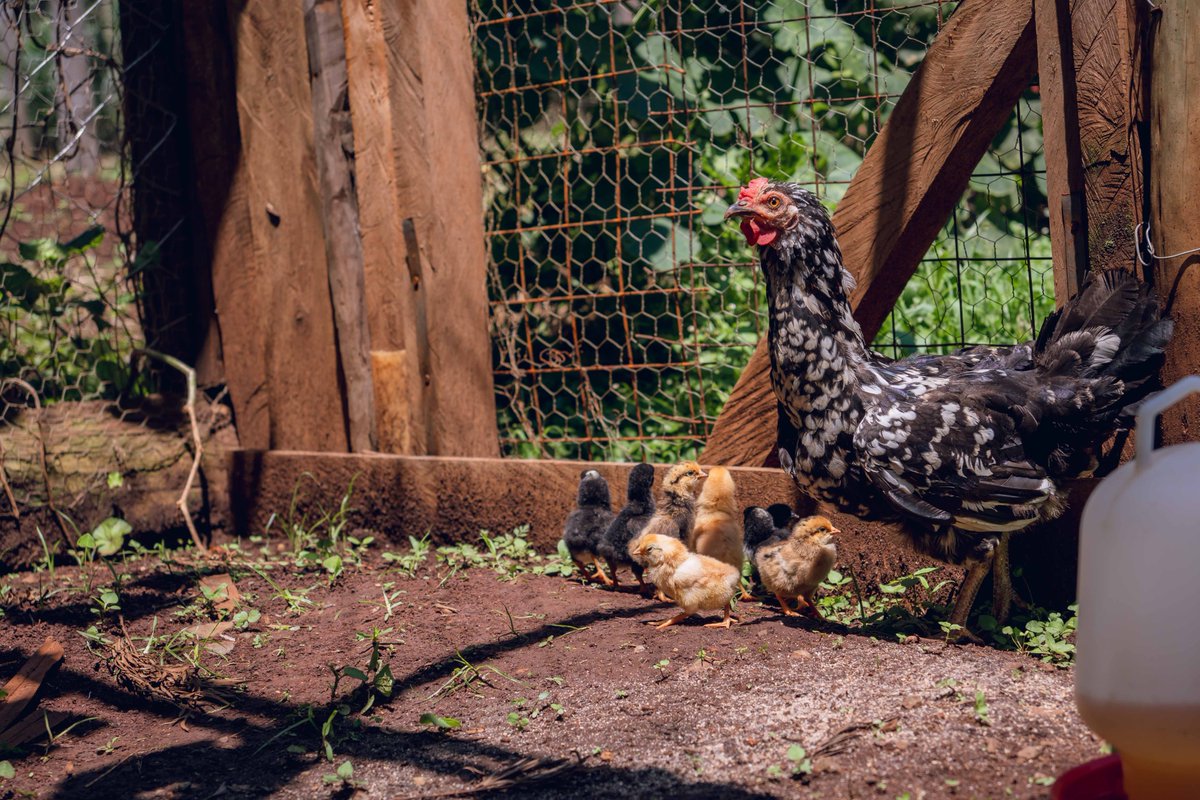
{"type": "Point", "coordinates": [718, 529]}
{"type": "Point", "coordinates": [793, 568]}
{"type": "Point", "coordinates": [695, 582]}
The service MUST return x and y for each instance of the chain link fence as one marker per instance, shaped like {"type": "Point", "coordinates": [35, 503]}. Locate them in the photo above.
{"type": "Point", "coordinates": [615, 132]}
{"type": "Point", "coordinates": [78, 409]}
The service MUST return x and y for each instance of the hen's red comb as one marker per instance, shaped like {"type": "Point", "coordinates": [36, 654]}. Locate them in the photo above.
{"type": "Point", "coordinates": [752, 189]}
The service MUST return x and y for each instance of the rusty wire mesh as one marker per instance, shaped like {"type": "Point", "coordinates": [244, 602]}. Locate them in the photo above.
{"type": "Point", "coordinates": [72, 269]}
{"type": "Point", "coordinates": [614, 133]}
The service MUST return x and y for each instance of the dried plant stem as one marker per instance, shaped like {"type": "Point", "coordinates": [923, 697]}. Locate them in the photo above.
{"type": "Point", "coordinates": [197, 441]}
{"type": "Point", "coordinates": [41, 437]}
{"type": "Point", "coordinates": [12, 500]}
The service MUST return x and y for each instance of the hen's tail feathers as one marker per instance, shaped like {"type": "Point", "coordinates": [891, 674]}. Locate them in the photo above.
{"type": "Point", "coordinates": [1113, 333]}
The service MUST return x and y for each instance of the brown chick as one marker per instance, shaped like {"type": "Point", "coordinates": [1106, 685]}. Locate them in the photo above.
{"type": "Point", "coordinates": [676, 510]}
{"type": "Point", "coordinates": [794, 567]}
{"type": "Point", "coordinates": [696, 582]}
{"type": "Point", "coordinates": [718, 529]}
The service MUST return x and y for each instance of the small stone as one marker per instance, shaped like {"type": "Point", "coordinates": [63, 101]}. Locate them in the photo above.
{"type": "Point", "coordinates": [606, 755]}
{"type": "Point", "coordinates": [1029, 752]}
{"type": "Point", "coordinates": [911, 701]}
{"type": "Point", "coordinates": [992, 745]}
{"type": "Point", "coordinates": [801, 654]}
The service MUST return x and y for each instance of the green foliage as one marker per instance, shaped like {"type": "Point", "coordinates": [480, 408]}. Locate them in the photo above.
{"type": "Point", "coordinates": [439, 722]}
{"type": "Point", "coordinates": [508, 554]}
{"type": "Point", "coordinates": [408, 563]}
{"type": "Point", "coordinates": [318, 540]}
{"type": "Point", "coordinates": [64, 319]}
{"type": "Point", "coordinates": [343, 775]}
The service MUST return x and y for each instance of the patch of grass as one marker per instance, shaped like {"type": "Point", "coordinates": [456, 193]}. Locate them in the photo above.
{"type": "Point", "coordinates": [982, 714]}
{"type": "Point", "coordinates": [466, 675]}
{"type": "Point", "coordinates": [508, 554]}
{"type": "Point", "coordinates": [319, 541]}
{"type": "Point", "coordinates": [439, 722]}
{"type": "Point", "coordinates": [408, 563]}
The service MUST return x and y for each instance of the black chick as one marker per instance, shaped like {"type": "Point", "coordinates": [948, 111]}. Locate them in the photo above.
{"type": "Point", "coordinates": [763, 526]}
{"type": "Point", "coordinates": [587, 523]}
{"type": "Point", "coordinates": [639, 507]}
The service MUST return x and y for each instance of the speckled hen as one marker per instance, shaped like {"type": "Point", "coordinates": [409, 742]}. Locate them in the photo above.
{"type": "Point", "coordinates": [959, 450]}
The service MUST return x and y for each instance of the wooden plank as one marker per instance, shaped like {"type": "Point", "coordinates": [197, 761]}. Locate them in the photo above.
{"type": "Point", "coordinates": [1103, 34]}
{"type": "Point", "coordinates": [23, 687]}
{"type": "Point", "coordinates": [418, 52]}
{"type": "Point", "coordinates": [454, 498]}
{"type": "Point", "coordinates": [908, 183]}
{"type": "Point", "coordinates": [275, 121]}
{"type": "Point", "coordinates": [1060, 128]}
{"type": "Point", "coordinates": [223, 239]}
{"type": "Point", "coordinates": [1175, 194]}
{"type": "Point", "coordinates": [343, 245]}
{"type": "Point", "coordinates": [385, 196]}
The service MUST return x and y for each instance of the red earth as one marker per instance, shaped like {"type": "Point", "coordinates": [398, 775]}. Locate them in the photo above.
{"type": "Point", "coordinates": [686, 712]}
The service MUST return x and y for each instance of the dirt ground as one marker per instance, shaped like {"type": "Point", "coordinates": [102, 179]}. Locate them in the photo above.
{"type": "Point", "coordinates": [688, 712]}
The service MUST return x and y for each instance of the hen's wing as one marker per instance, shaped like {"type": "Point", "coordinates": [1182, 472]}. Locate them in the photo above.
{"type": "Point", "coordinates": [955, 455]}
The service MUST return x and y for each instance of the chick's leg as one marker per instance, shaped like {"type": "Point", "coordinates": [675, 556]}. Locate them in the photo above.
{"type": "Point", "coordinates": [607, 581]}
{"type": "Point", "coordinates": [675, 620]}
{"type": "Point", "coordinates": [730, 619]}
{"type": "Point", "coordinates": [783, 604]}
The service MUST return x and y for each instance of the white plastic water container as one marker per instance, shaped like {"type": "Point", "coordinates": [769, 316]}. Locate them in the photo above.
{"type": "Point", "coordinates": [1137, 678]}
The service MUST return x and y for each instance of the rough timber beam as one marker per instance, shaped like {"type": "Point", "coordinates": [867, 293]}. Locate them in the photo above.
{"type": "Point", "coordinates": [909, 182]}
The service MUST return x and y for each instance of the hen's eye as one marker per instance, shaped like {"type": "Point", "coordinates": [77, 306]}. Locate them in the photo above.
{"type": "Point", "coordinates": [773, 202]}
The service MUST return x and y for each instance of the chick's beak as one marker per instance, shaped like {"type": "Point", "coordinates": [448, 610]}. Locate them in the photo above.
{"type": "Point", "coordinates": [703, 474]}
{"type": "Point", "coordinates": [834, 531]}
{"type": "Point", "coordinates": [738, 209]}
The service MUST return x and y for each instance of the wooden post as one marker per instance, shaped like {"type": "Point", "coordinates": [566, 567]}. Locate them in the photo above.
{"type": "Point", "coordinates": [413, 101]}
{"type": "Point", "coordinates": [1060, 127]}
{"type": "Point", "coordinates": [1175, 195]}
{"type": "Point", "coordinates": [289, 302]}
{"type": "Point", "coordinates": [1103, 35]}
{"type": "Point", "coordinates": [343, 245]}
{"type": "Point", "coordinates": [907, 185]}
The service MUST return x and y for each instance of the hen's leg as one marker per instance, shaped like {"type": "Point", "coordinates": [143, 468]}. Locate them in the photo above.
{"type": "Point", "coordinates": [1002, 591]}
{"type": "Point", "coordinates": [966, 598]}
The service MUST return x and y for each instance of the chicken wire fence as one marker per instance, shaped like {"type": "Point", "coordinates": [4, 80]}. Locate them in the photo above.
{"type": "Point", "coordinates": [614, 134]}
{"type": "Point", "coordinates": [77, 283]}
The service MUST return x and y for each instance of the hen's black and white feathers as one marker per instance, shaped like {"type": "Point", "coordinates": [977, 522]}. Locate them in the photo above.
{"type": "Point", "coordinates": [592, 515]}
{"type": "Point", "coordinates": [629, 522]}
{"type": "Point", "coordinates": [978, 441]}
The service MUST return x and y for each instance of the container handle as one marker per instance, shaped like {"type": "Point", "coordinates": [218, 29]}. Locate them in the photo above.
{"type": "Point", "coordinates": [1156, 405]}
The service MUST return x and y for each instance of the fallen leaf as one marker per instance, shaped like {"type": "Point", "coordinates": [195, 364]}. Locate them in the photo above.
{"type": "Point", "coordinates": [231, 596]}
{"type": "Point", "coordinates": [214, 636]}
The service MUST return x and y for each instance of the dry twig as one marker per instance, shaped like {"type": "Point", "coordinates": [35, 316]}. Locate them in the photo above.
{"type": "Point", "coordinates": [523, 771]}
{"type": "Point", "coordinates": [190, 408]}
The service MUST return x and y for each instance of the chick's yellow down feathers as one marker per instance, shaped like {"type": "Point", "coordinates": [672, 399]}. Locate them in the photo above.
{"type": "Point", "coordinates": [793, 568]}
{"type": "Point", "coordinates": [718, 529]}
{"type": "Point", "coordinates": [693, 581]}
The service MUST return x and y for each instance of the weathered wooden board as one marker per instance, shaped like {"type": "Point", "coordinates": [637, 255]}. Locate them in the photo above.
{"type": "Point", "coordinates": [1175, 196]}
{"type": "Point", "coordinates": [399, 406]}
{"type": "Point", "coordinates": [1060, 131]}
{"type": "Point", "coordinates": [332, 134]}
{"type": "Point", "coordinates": [293, 301]}
{"type": "Point", "coordinates": [909, 182]}
{"type": "Point", "coordinates": [1103, 35]}
{"type": "Point", "coordinates": [412, 58]}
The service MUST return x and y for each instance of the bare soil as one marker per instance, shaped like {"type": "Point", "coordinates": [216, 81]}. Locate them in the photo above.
{"type": "Point", "coordinates": [687, 712]}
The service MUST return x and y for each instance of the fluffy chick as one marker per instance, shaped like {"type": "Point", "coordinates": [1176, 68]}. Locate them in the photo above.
{"type": "Point", "coordinates": [718, 529]}
{"type": "Point", "coordinates": [676, 512]}
{"type": "Point", "coordinates": [588, 522]}
{"type": "Point", "coordinates": [793, 567]}
{"type": "Point", "coordinates": [613, 546]}
{"type": "Point", "coordinates": [696, 582]}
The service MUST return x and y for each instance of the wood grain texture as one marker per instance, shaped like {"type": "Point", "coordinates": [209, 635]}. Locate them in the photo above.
{"type": "Point", "coordinates": [389, 293]}
{"type": "Point", "coordinates": [1103, 35]}
{"type": "Point", "coordinates": [1060, 129]}
{"type": "Point", "coordinates": [293, 300]}
{"type": "Point", "coordinates": [222, 217]}
{"type": "Point", "coordinates": [907, 185]}
{"type": "Point", "coordinates": [433, 178]}
{"type": "Point", "coordinates": [332, 133]}
{"type": "Point", "coordinates": [22, 687]}
{"type": "Point", "coordinates": [1175, 196]}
